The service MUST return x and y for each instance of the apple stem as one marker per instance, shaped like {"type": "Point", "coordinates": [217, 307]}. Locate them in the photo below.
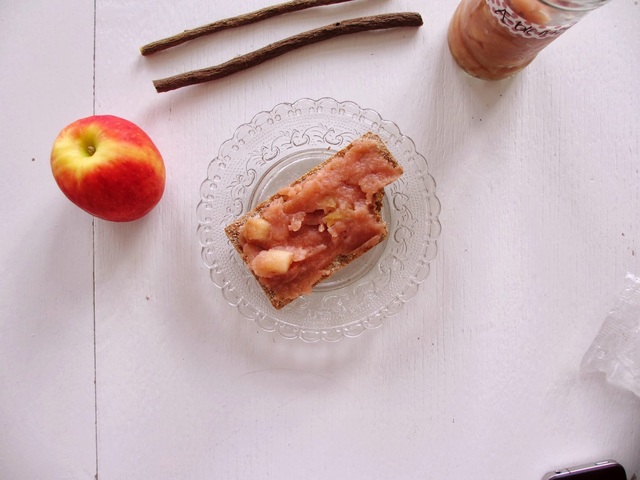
{"type": "Point", "coordinates": [91, 150]}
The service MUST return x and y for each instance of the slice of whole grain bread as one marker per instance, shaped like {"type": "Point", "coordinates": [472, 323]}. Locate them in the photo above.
{"type": "Point", "coordinates": [233, 230]}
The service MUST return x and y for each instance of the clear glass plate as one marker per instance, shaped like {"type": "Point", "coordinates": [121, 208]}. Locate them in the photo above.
{"type": "Point", "coordinates": [271, 151]}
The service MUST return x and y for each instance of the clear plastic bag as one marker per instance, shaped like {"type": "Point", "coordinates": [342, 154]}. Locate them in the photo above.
{"type": "Point", "coordinates": [616, 348]}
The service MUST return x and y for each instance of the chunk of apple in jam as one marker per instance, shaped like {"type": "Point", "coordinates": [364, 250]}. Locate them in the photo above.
{"type": "Point", "coordinates": [274, 261]}
{"type": "Point", "coordinates": [256, 229]}
{"type": "Point", "coordinates": [327, 204]}
{"type": "Point", "coordinates": [336, 216]}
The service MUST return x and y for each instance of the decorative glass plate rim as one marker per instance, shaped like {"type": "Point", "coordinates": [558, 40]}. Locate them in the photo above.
{"type": "Point", "coordinates": [268, 321]}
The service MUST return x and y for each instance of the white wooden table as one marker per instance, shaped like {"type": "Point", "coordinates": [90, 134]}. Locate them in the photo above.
{"type": "Point", "coordinates": [120, 359]}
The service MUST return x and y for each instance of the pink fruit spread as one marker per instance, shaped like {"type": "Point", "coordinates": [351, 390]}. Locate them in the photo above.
{"type": "Point", "coordinates": [330, 215]}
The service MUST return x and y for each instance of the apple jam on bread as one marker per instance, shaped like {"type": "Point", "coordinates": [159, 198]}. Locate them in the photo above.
{"type": "Point", "coordinates": [318, 224]}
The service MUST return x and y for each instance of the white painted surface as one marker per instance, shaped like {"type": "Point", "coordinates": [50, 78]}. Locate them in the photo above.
{"type": "Point", "coordinates": [476, 378]}
{"type": "Point", "coordinates": [47, 407]}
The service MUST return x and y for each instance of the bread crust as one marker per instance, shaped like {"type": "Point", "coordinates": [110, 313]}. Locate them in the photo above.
{"type": "Point", "coordinates": [233, 229]}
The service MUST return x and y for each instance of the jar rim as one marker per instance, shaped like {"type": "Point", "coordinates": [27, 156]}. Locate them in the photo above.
{"type": "Point", "coordinates": [575, 5]}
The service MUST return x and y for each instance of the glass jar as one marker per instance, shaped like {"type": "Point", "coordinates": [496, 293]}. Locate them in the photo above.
{"type": "Point", "coordinates": [495, 39]}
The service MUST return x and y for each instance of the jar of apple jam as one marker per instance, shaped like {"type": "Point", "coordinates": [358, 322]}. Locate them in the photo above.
{"type": "Point", "coordinates": [495, 39]}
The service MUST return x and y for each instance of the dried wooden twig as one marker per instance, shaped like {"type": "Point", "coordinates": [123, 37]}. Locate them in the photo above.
{"type": "Point", "coordinates": [238, 21]}
{"type": "Point", "coordinates": [243, 62]}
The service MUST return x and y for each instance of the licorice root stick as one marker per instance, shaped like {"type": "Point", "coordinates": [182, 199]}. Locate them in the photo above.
{"type": "Point", "coordinates": [233, 22]}
{"type": "Point", "coordinates": [243, 62]}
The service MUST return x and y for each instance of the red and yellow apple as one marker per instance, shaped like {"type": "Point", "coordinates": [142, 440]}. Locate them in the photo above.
{"type": "Point", "coordinates": [109, 167]}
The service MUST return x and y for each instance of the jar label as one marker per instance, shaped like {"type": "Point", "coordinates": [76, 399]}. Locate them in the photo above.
{"type": "Point", "coordinates": [516, 24]}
